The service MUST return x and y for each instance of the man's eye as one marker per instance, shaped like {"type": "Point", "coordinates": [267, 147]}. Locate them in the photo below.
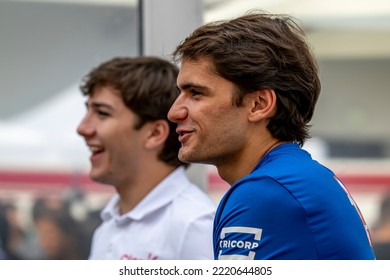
{"type": "Point", "coordinates": [195, 92]}
{"type": "Point", "coordinates": [102, 114]}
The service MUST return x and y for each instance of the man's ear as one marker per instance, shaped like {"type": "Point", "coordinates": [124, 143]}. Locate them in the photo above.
{"type": "Point", "coordinates": [262, 104]}
{"type": "Point", "coordinates": [157, 134]}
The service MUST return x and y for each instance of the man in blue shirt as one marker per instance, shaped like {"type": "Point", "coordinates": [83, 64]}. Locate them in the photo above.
{"type": "Point", "coordinates": [248, 89]}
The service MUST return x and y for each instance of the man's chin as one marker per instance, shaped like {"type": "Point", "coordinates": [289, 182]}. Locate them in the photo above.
{"type": "Point", "coordinates": [97, 177]}
{"type": "Point", "coordinates": [190, 159]}
{"type": "Point", "coordinates": [185, 155]}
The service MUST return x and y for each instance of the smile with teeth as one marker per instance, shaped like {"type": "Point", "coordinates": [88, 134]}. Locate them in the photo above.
{"type": "Point", "coordinates": [95, 149]}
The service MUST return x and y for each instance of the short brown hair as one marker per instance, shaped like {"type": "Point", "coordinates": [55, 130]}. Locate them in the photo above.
{"type": "Point", "coordinates": [148, 88]}
{"type": "Point", "coordinates": [262, 51]}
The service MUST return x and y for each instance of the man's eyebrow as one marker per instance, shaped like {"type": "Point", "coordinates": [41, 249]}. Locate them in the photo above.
{"type": "Point", "coordinates": [98, 105]}
{"type": "Point", "coordinates": [192, 85]}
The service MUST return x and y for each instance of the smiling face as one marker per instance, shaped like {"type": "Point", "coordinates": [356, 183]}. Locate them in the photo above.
{"type": "Point", "coordinates": [108, 130]}
{"type": "Point", "coordinates": [211, 129]}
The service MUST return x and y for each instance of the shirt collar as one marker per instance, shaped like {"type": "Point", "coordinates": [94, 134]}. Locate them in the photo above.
{"type": "Point", "coordinates": [268, 156]}
{"type": "Point", "coordinates": [161, 195]}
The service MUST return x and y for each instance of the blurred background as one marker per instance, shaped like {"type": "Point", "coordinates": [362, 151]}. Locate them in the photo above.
{"type": "Point", "coordinates": [47, 46]}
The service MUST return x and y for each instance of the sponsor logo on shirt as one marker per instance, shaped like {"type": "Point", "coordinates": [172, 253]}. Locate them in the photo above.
{"type": "Point", "coordinates": [239, 243]}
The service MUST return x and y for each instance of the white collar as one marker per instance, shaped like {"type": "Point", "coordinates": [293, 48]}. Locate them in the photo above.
{"type": "Point", "coordinates": [162, 194]}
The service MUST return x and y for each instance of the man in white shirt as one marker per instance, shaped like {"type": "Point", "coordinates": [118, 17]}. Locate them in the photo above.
{"type": "Point", "coordinates": [157, 213]}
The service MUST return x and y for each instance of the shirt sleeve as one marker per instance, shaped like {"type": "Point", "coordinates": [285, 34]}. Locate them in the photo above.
{"type": "Point", "coordinates": [259, 219]}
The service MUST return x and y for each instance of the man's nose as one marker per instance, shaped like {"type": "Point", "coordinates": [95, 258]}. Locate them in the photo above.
{"type": "Point", "coordinates": [178, 110]}
{"type": "Point", "coordinates": [85, 128]}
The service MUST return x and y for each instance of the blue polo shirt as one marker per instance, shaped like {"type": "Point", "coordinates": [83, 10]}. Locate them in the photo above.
{"type": "Point", "coordinates": [290, 207]}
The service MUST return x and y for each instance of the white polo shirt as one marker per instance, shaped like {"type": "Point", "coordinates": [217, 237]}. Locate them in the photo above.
{"type": "Point", "coordinates": [174, 221]}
